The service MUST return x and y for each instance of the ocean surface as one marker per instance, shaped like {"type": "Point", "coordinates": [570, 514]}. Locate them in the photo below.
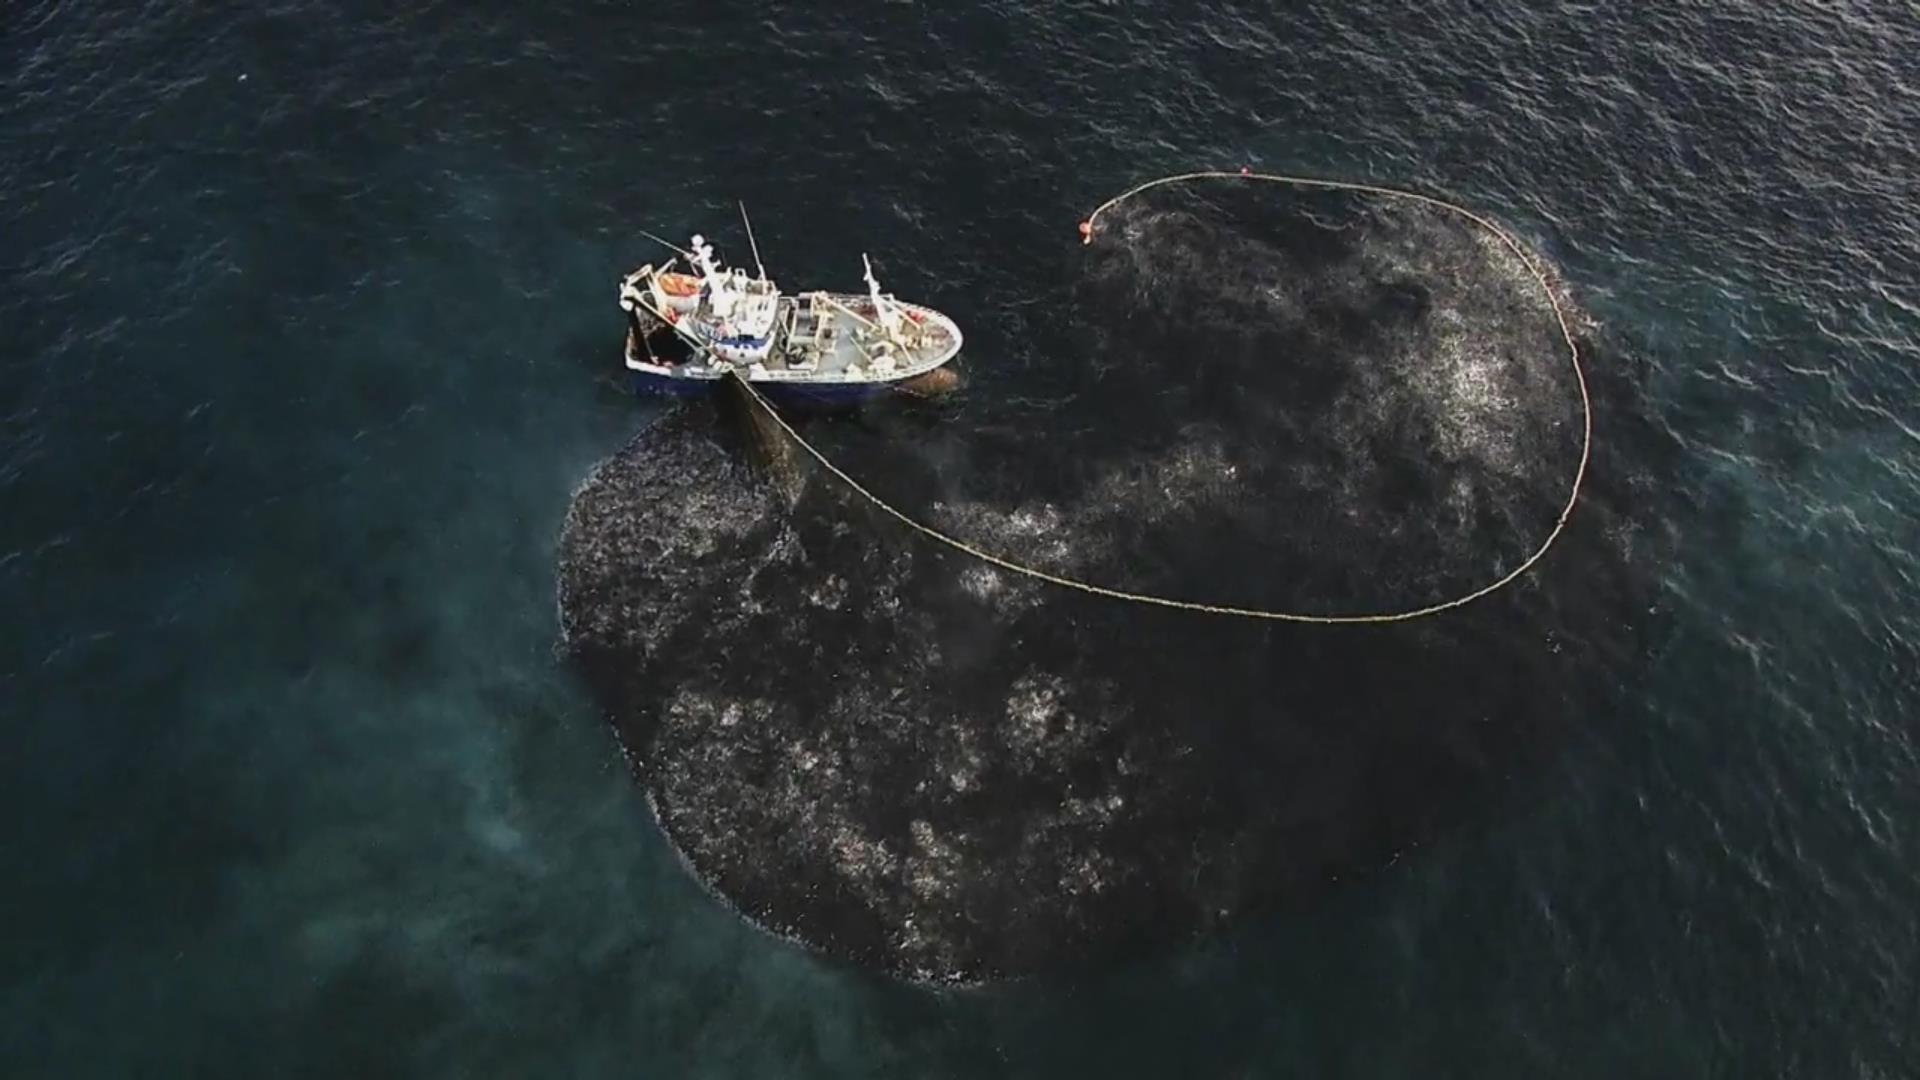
{"type": "Point", "coordinates": [310, 337]}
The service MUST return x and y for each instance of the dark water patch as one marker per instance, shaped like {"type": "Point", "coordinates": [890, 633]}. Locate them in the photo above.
{"type": "Point", "coordinates": [913, 761]}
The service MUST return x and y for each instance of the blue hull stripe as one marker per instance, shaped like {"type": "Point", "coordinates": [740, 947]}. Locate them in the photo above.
{"type": "Point", "coordinates": [647, 383]}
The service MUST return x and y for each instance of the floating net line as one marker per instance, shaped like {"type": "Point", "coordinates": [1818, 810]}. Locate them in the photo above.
{"type": "Point", "coordinates": [1088, 230]}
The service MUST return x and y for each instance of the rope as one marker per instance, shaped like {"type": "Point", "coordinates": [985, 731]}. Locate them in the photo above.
{"type": "Point", "coordinates": [1566, 512]}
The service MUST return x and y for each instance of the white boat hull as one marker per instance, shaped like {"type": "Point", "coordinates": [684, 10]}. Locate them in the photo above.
{"type": "Point", "coordinates": [839, 375]}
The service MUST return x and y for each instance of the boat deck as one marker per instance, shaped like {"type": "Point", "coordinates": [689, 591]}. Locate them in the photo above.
{"type": "Point", "coordinates": [829, 338]}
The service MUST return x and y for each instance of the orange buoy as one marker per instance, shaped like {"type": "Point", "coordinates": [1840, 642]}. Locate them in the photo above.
{"type": "Point", "coordinates": [1245, 171]}
{"type": "Point", "coordinates": [1086, 232]}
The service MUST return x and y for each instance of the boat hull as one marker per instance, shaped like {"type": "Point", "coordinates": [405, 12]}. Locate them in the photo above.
{"type": "Point", "coordinates": [649, 384]}
{"type": "Point", "coordinates": [664, 364]}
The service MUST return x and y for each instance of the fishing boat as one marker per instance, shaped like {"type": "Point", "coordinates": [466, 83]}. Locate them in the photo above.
{"type": "Point", "coordinates": [687, 329]}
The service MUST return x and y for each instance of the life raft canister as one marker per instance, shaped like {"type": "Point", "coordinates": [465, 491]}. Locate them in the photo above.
{"type": "Point", "coordinates": [681, 285]}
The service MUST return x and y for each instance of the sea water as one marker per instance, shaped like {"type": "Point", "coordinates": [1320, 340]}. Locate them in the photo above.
{"type": "Point", "coordinates": [310, 330]}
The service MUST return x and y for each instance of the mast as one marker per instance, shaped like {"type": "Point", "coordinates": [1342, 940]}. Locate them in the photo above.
{"type": "Point", "coordinates": [883, 312]}
{"type": "Point", "coordinates": [750, 242]}
{"type": "Point", "coordinates": [702, 259]}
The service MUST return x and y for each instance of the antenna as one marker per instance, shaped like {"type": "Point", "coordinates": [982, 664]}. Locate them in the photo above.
{"type": "Point", "coordinates": [883, 311]}
{"type": "Point", "coordinates": [664, 243]}
{"type": "Point", "coordinates": [756, 247]}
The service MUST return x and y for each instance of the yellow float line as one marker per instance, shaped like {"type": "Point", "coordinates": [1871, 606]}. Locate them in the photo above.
{"type": "Point", "coordinates": [1087, 229]}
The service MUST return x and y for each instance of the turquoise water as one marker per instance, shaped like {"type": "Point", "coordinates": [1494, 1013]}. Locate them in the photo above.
{"type": "Point", "coordinates": [310, 326]}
